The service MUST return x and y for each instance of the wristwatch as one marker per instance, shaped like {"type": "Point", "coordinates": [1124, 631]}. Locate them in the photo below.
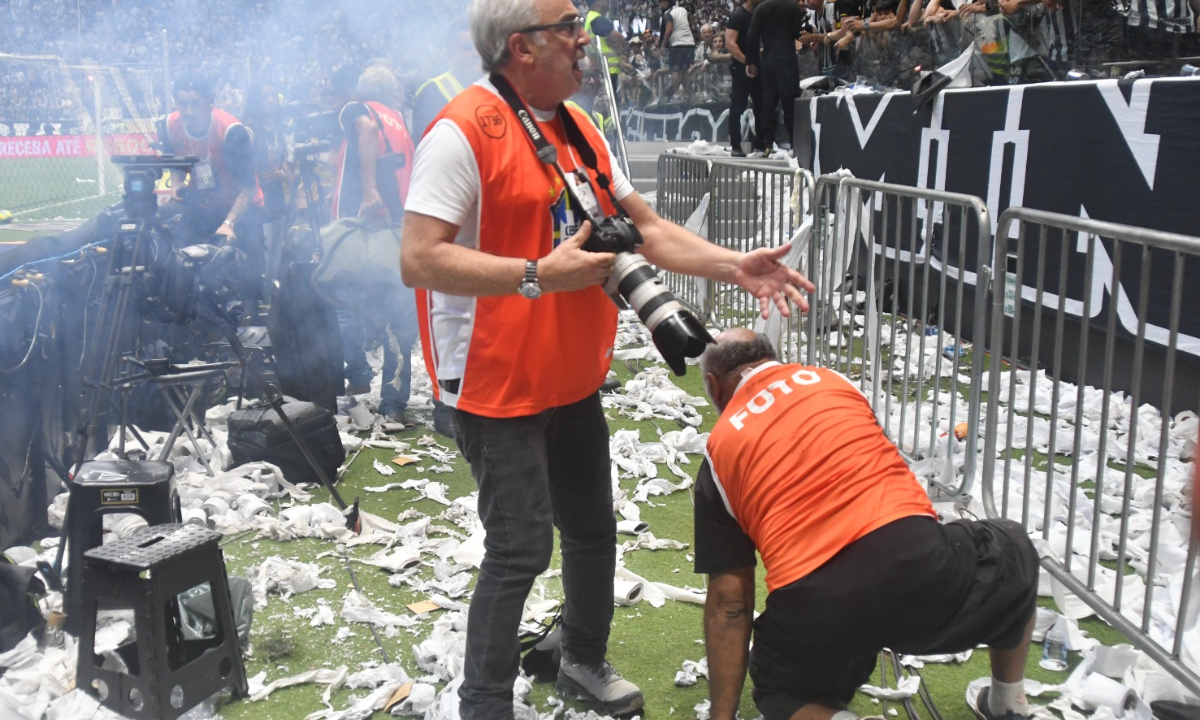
{"type": "Point", "coordinates": [529, 287]}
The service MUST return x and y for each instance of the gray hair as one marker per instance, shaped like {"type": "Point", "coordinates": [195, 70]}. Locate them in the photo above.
{"type": "Point", "coordinates": [723, 358]}
{"type": "Point", "coordinates": [377, 83]}
{"type": "Point", "coordinates": [493, 22]}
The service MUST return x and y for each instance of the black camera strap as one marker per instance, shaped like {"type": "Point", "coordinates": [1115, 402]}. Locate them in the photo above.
{"type": "Point", "coordinates": [547, 153]}
{"type": "Point", "coordinates": [379, 124]}
{"type": "Point", "coordinates": [385, 173]}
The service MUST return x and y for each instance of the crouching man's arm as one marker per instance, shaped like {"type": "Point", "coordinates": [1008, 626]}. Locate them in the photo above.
{"type": "Point", "coordinates": [728, 618]}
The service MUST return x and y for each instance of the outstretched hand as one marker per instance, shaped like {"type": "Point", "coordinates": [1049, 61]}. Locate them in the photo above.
{"type": "Point", "coordinates": [570, 267]}
{"type": "Point", "coordinates": [769, 280]}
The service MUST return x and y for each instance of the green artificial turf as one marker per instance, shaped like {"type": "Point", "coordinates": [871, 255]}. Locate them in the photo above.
{"type": "Point", "coordinates": [42, 189]}
{"type": "Point", "coordinates": [648, 645]}
{"type": "Point", "coordinates": [47, 188]}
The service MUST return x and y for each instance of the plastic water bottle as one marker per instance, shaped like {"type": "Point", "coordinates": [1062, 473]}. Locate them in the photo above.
{"type": "Point", "coordinates": [1054, 649]}
{"type": "Point", "coordinates": [52, 636]}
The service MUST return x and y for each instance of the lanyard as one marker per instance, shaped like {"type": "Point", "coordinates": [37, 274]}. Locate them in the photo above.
{"type": "Point", "coordinates": [192, 142]}
{"type": "Point", "coordinates": [547, 153]}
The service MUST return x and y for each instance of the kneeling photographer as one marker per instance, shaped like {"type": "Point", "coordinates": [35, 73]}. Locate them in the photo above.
{"type": "Point", "coordinates": [220, 202]}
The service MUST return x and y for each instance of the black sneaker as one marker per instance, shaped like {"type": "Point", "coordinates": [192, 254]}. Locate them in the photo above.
{"type": "Point", "coordinates": [610, 385]}
{"type": "Point", "coordinates": [737, 152]}
{"type": "Point", "coordinates": [984, 712]}
{"type": "Point", "coordinates": [398, 416]}
{"type": "Point", "coordinates": [600, 685]}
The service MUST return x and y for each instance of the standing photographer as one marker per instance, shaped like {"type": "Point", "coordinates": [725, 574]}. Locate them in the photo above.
{"type": "Point", "coordinates": [221, 198]}
{"type": "Point", "coordinates": [521, 334]}
{"type": "Point", "coordinates": [272, 157]}
{"type": "Point", "coordinates": [374, 167]}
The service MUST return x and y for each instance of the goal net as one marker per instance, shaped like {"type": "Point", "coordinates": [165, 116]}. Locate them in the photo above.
{"type": "Point", "coordinates": [60, 126]}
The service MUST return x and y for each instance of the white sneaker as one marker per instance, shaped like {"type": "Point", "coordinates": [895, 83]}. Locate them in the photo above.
{"type": "Point", "coordinates": [600, 685]}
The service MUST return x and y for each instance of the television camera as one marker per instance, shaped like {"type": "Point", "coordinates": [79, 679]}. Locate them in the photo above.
{"type": "Point", "coordinates": [164, 284]}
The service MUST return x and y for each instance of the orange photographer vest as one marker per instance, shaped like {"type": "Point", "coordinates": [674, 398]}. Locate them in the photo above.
{"type": "Point", "coordinates": [804, 468]}
{"type": "Point", "coordinates": [519, 357]}
{"type": "Point", "coordinates": [211, 147]}
{"type": "Point", "coordinates": [393, 133]}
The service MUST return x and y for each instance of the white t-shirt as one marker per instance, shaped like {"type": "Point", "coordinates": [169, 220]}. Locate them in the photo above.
{"type": "Point", "coordinates": [681, 34]}
{"type": "Point", "coordinates": [446, 185]}
{"type": "Point", "coordinates": [445, 179]}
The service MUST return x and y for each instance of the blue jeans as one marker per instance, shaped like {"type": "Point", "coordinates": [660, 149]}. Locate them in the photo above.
{"type": "Point", "coordinates": [398, 317]}
{"type": "Point", "coordinates": [393, 401]}
{"type": "Point", "coordinates": [535, 473]}
{"type": "Point", "coordinates": [354, 341]}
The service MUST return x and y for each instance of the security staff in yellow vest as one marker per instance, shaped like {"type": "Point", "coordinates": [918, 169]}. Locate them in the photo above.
{"type": "Point", "coordinates": [611, 39]}
{"type": "Point", "coordinates": [596, 114]}
{"type": "Point", "coordinates": [433, 95]}
{"type": "Point", "coordinates": [430, 98]}
{"type": "Point", "coordinates": [602, 115]}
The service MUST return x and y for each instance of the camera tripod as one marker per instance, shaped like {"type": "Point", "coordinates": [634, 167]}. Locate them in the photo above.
{"type": "Point", "coordinates": [141, 248]}
{"type": "Point", "coordinates": [134, 248]}
{"type": "Point", "coordinates": [308, 186]}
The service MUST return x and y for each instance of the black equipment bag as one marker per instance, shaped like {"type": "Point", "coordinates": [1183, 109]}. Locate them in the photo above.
{"type": "Point", "coordinates": [19, 613]}
{"type": "Point", "coordinates": [305, 336]}
{"type": "Point", "coordinates": [257, 434]}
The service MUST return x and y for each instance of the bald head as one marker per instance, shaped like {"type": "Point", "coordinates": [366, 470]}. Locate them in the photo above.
{"type": "Point", "coordinates": [733, 350]}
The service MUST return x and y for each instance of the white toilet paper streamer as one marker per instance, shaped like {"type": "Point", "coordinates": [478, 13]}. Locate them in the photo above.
{"type": "Point", "coordinates": [632, 527]}
{"type": "Point", "coordinates": [195, 516]}
{"type": "Point", "coordinates": [1100, 691]}
{"type": "Point", "coordinates": [214, 506]}
{"type": "Point", "coordinates": [1114, 661]}
{"type": "Point", "coordinates": [626, 593]}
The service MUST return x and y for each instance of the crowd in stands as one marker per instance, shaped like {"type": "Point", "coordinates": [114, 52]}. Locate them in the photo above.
{"type": "Point", "coordinates": [1013, 41]}
{"type": "Point", "coordinates": [31, 92]}
{"type": "Point", "coordinates": [299, 44]}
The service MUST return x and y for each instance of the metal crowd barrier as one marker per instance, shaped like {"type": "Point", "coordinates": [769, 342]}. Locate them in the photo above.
{"type": "Point", "coordinates": [683, 183]}
{"type": "Point", "coordinates": [899, 293]}
{"type": "Point", "coordinates": [906, 277]}
{"type": "Point", "coordinates": [1097, 488]}
{"type": "Point", "coordinates": [736, 204]}
{"type": "Point", "coordinates": [751, 206]}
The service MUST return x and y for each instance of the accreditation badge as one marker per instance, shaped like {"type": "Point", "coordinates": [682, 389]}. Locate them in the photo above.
{"type": "Point", "coordinates": [567, 217]}
{"type": "Point", "coordinates": [582, 187]}
{"type": "Point", "coordinates": [205, 180]}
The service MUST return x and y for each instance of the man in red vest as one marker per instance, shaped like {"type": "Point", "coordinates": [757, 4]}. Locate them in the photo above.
{"type": "Point", "coordinates": [374, 166]}
{"type": "Point", "coordinates": [798, 469]}
{"type": "Point", "coordinates": [220, 197]}
{"type": "Point", "coordinates": [522, 333]}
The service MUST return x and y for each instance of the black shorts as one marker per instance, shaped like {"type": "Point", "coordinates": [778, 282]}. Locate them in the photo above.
{"type": "Point", "coordinates": [914, 586]}
{"type": "Point", "coordinates": [680, 58]}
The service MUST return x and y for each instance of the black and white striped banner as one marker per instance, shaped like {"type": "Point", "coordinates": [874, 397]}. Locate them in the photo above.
{"type": "Point", "coordinates": [1173, 16]}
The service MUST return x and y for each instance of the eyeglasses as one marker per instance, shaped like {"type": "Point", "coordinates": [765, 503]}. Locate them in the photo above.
{"type": "Point", "coordinates": [575, 25]}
